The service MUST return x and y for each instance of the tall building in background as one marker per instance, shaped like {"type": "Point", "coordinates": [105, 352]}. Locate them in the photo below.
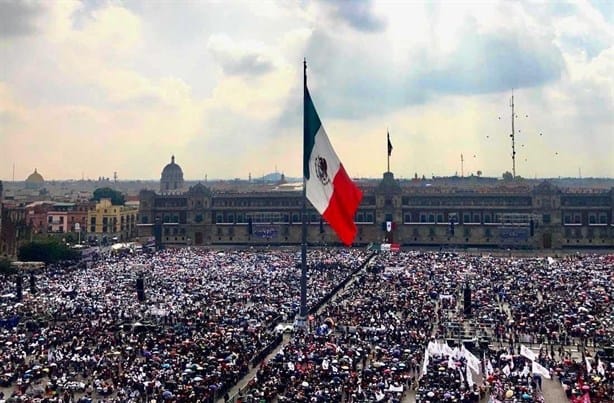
{"type": "Point", "coordinates": [492, 214]}
{"type": "Point", "coordinates": [113, 222]}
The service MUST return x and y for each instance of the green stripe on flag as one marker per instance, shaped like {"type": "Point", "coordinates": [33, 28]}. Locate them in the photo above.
{"type": "Point", "coordinates": [311, 125]}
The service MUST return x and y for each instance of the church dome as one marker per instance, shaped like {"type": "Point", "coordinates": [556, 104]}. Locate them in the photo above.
{"type": "Point", "coordinates": [172, 169]}
{"type": "Point", "coordinates": [35, 177]}
{"type": "Point", "coordinates": [171, 180]}
{"type": "Point", "coordinates": [35, 181]}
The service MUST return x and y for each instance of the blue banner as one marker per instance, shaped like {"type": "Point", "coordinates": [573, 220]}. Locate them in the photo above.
{"type": "Point", "coordinates": [265, 232]}
{"type": "Point", "coordinates": [513, 234]}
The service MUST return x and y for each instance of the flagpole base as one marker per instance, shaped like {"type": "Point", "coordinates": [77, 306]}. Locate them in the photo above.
{"type": "Point", "coordinates": [300, 322]}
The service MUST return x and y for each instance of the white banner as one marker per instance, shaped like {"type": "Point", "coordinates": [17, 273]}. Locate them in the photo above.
{"type": "Point", "coordinates": [472, 361]}
{"type": "Point", "coordinates": [434, 348]}
{"type": "Point", "coordinates": [469, 377]}
{"type": "Point", "coordinates": [540, 370]}
{"type": "Point", "coordinates": [526, 352]}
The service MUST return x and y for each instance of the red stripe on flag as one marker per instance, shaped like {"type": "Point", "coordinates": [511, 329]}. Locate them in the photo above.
{"type": "Point", "coordinates": [342, 206]}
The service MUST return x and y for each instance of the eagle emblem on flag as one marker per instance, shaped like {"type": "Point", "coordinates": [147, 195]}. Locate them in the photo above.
{"type": "Point", "coordinates": [322, 170]}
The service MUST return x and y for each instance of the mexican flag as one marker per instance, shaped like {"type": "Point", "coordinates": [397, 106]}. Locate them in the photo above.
{"type": "Point", "coordinates": [328, 186]}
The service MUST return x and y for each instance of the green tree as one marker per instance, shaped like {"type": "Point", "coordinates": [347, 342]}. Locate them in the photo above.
{"type": "Point", "coordinates": [6, 268]}
{"type": "Point", "coordinates": [117, 198]}
{"type": "Point", "coordinates": [48, 252]}
{"type": "Point", "coordinates": [507, 176]}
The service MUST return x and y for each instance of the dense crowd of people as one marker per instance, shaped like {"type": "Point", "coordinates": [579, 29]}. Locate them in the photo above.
{"type": "Point", "coordinates": [408, 300]}
{"type": "Point", "coordinates": [400, 324]}
{"type": "Point", "coordinates": [206, 315]}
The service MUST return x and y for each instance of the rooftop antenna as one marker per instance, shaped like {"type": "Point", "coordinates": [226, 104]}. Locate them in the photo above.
{"type": "Point", "coordinates": [115, 178]}
{"type": "Point", "coordinates": [513, 133]}
{"type": "Point", "coordinates": [462, 167]}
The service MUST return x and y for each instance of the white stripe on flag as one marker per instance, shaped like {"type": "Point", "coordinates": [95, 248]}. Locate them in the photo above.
{"type": "Point", "coordinates": [328, 186]}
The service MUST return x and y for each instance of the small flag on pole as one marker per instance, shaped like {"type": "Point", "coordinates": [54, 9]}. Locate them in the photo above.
{"type": "Point", "coordinates": [389, 145]}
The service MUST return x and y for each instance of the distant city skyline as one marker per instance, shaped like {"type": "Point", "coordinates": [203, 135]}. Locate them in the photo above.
{"type": "Point", "coordinates": [96, 87]}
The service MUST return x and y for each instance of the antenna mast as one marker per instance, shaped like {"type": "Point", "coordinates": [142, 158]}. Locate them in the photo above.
{"type": "Point", "coordinates": [462, 167]}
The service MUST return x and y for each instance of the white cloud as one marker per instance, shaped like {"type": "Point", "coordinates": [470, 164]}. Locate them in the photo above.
{"type": "Point", "coordinates": [248, 57]}
{"type": "Point", "coordinates": [206, 81]}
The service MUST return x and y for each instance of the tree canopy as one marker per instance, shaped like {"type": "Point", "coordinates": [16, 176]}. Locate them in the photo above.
{"type": "Point", "coordinates": [5, 267]}
{"type": "Point", "coordinates": [117, 198]}
{"type": "Point", "coordinates": [48, 252]}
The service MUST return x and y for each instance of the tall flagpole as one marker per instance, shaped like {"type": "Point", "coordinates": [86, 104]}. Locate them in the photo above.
{"type": "Point", "coordinates": [513, 136]}
{"type": "Point", "coordinates": [303, 308]}
{"type": "Point", "coordinates": [388, 148]}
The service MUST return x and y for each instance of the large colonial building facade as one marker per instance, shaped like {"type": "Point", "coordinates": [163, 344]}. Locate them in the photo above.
{"type": "Point", "coordinates": [106, 220]}
{"type": "Point", "coordinates": [500, 216]}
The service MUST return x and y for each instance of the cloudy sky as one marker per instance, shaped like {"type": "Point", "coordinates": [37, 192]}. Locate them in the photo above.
{"type": "Point", "coordinates": [90, 88]}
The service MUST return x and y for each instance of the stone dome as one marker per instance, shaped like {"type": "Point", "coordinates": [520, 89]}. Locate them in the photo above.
{"type": "Point", "coordinates": [171, 180]}
{"type": "Point", "coordinates": [35, 180]}
{"type": "Point", "coordinates": [35, 177]}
